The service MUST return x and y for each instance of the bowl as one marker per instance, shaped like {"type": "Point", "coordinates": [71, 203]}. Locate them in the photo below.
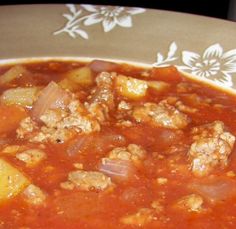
{"type": "Point", "coordinates": [93, 170]}
{"type": "Point", "coordinates": [201, 46]}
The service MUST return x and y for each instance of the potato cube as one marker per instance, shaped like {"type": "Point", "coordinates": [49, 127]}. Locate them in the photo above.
{"type": "Point", "coordinates": [130, 87]}
{"type": "Point", "coordinates": [82, 76]}
{"type": "Point", "coordinates": [12, 181]}
{"type": "Point", "coordinates": [158, 86]}
{"type": "Point", "coordinates": [68, 85]}
{"type": "Point", "coordinates": [21, 96]}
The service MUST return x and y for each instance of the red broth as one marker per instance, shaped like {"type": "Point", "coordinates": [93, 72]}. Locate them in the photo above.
{"type": "Point", "coordinates": [104, 145]}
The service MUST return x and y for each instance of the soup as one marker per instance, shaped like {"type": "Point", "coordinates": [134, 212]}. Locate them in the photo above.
{"type": "Point", "coordinates": [107, 145]}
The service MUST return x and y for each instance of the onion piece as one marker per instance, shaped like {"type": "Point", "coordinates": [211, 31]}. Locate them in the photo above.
{"type": "Point", "coordinates": [79, 144]}
{"type": "Point", "coordinates": [51, 97]}
{"type": "Point", "coordinates": [215, 189]}
{"type": "Point", "coordinates": [101, 65]}
{"type": "Point", "coordinates": [117, 169]}
{"type": "Point", "coordinates": [96, 142]}
{"type": "Point", "coordinates": [13, 73]}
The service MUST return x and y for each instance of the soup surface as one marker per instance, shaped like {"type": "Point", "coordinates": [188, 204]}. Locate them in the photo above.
{"type": "Point", "coordinates": [105, 145]}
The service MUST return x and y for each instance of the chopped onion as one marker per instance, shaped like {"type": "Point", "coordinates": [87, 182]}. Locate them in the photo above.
{"type": "Point", "coordinates": [215, 189]}
{"type": "Point", "coordinates": [101, 65]}
{"type": "Point", "coordinates": [79, 144]}
{"type": "Point", "coordinates": [118, 169]}
{"type": "Point", "coordinates": [13, 73]}
{"type": "Point", "coordinates": [96, 142]}
{"type": "Point", "coordinates": [51, 97]}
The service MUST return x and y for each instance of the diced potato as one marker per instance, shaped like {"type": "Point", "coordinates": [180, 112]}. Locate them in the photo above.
{"type": "Point", "coordinates": [21, 96]}
{"type": "Point", "coordinates": [130, 87]}
{"type": "Point", "coordinates": [13, 73]}
{"type": "Point", "coordinates": [82, 76]}
{"type": "Point", "coordinates": [158, 86]}
{"type": "Point", "coordinates": [12, 181]}
{"type": "Point", "coordinates": [68, 84]}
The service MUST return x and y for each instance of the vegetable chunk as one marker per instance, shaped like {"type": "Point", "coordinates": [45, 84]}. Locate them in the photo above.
{"type": "Point", "coordinates": [22, 96]}
{"type": "Point", "coordinates": [130, 87]}
{"type": "Point", "coordinates": [12, 181]}
{"type": "Point", "coordinates": [82, 76]}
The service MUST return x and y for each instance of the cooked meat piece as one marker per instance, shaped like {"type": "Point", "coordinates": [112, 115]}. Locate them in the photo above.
{"type": "Point", "coordinates": [132, 153]}
{"type": "Point", "coordinates": [98, 110]}
{"type": "Point", "coordinates": [104, 79]}
{"type": "Point", "coordinates": [27, 126]}
{"type": "Point", "coordinates": [34, 195]}
{"type": "Point", "coordinates": [140, 218]}
{"type": "Point", "coordinates": [101, 100]}
{"type": "Point", "coordinates": [51, 117]}
{"type": "Point", "coordinates": [87, 181]}
{"type": "Point", "coordinates": [104, 92]}
{"type": "Point", "coordinates": [79, 123]}
{"type": "Point", "coordinates": [67, 185]}
{"type": "Point", "coordinates": [161, 114]}
{"type": "Point", "coordinates": [51, 134]}
{"type": "Point", "coordinates": [192, 203]}
{"type": "Point", "coordinates": [31, 157]}
{"type": "Point", "coordinates": [121, 162]}
{"type": "Point", "coordinates": [212, 147]}
{"type": "Point", "coordinates": [184, 108]}
{"type": "Point", "coordinates": [59, 125]}
{"type": "Point", "coordinates": [124, 123]}
{"type": "Point", "coordinates": [124, 106]}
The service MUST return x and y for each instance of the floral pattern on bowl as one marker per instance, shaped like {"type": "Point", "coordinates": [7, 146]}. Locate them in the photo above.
{"type": "Point", "coordinates": [213, 64]}
{"type": "Point", "coordinates": [204, 47]}
{"type": "Point", "coordinates": [89, 15]}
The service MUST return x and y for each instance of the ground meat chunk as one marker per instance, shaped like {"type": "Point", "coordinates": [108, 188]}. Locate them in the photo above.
{"type": "Point", "coordinates": [91, 180]}
{"type": "Point", "coordinates": [51, 117]}
{"type": "Point", "coordinates": [124, 123]}
{"type": "Point", "coordinates": [101, 101]}
{"type": "Point", "coordinates": [59, 125]}
{"type": "Point", "coordinates": [192, 203]}
{"type": "Point", "coordinates": [184, 108]}
{"type": "Point", "coordinates": [34, 195]}
{"type": "Point", "coordinates": [27, 126]}
{"type": "Point", "coordinates": [31, 157]}
{"type": "Point", "coordinates": [161, 114]}
{"type": "Point", "coordinates": [103, 93]}
{"type": "Point", "coordinates": [100, 111]}
{"type": "Point", "coordinates": [140, 218]}
{"type": "Point", "coordinates": [132, 152]}
{"type": "Point", "coordinates": [211, 147]}
{"type": "Point", "coordinates": [124, 106]}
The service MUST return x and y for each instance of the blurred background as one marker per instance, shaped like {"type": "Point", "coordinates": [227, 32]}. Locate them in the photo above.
{"type": "Point", "coordinates": [224, 9]}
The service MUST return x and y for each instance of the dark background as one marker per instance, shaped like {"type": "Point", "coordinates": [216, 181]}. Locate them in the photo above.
{"type": "Point", "coordinates": [213, 8]}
